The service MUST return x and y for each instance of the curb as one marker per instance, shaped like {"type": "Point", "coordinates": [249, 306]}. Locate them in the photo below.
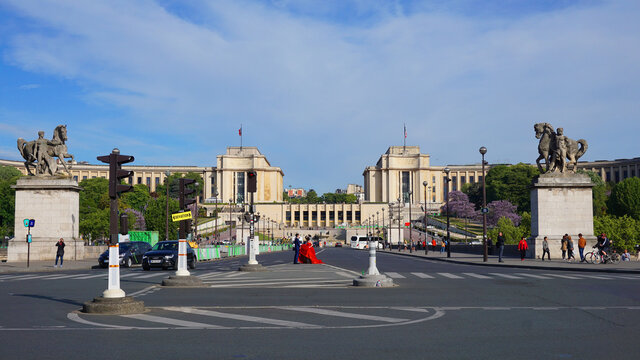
{"type": "Point", "coordinates": [524, 266]}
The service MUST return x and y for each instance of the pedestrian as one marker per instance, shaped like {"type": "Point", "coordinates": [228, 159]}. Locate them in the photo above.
{"type": "Point", "coordinates": [433, 244]}
{"type": "Point", "coordinates": [442, 246]}
{"type": "Point", "coordinates": [563, 246]}
{"type": "Point", "coordinates": [522, 246]}
{"type": "Point", "coordinates": [570, 248]}
{"type": "Point", "coordinates": [489, 246]}
{"type": "Point", "coordinates": [296, 248]}
{"type": "Point", "coordinates": [59, 252]}
{"type": "Point", "coordinates": [545, 249]}
{"type": "Point", "coordinates": [582, 242]}
{"type": "Point", "coordinates": [500, 245]}
{"type": "Point", "coordinates": [626, 256]}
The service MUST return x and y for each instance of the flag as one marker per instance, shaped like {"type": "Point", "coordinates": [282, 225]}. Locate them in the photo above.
{"type": "Point", "coordinates": [405, 131]}
{"type": "Point", "coordinates": [240, 131]}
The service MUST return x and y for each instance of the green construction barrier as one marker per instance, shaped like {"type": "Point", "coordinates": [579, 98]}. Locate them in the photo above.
{"type": "Point", "coordinates": [150, 237]}
{"type": "Point", "coordinates": [207, 253]}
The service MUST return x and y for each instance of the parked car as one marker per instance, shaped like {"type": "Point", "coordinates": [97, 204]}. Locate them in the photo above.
{"type": "Point", "coordinates": [164, 254]}
{"type": "Point", "coordinates": [338, 244]}
{"type": "Point", "coordinates": [130, 253]}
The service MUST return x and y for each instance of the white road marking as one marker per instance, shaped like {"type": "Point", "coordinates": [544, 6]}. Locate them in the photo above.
{"type": "Point", "coordinates": [66, 276]}
{"type": "Point", "coordinates": [394, 275]}
{"type": "Point", "coordinates": [596, 277]}
{"type": "Point", "coordinates": [150, 275]}
{"type": "Point", "coordinates": [506, 276]}
{"type": "Point", "coordinates": [563, 276]}
{"type": "Point", "coordinates": [478, 276]}
{"type": "Point", "coordinates": [344, 314]}
{"type": "Point", "coordinates": [176, 322]}
{"type": "Point", "coordinates": [129, 274]}
{"type": "Point", "coordinates": [236, 274]}
{"type": "Point", "coordinates": [248, 318]}
{"type": "Point", "coordinates": [450, 276]}
{"type": "Point", "coordinates": [143, 290]}
{"type": "Point", "coordinates": [344, 274]}
{"type": "Point", "coordinates": [422, 275]}
{"type": "Point", "coordinates": [91, 276]}
{"type": "Point", "coordinates": [533, 276]}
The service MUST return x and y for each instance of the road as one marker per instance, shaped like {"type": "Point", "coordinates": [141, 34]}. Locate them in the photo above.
{"type": "Point", "coordinates": [438, 310]}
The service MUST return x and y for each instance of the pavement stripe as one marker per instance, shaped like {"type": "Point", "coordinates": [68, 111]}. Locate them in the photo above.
{"type": "Point", "coordinates": [506, 276]}
{"type": "Point", "coordinates": [236, 274]}
{"type": "Point", "coordinates": [233, 281]}
{"type": "Point", "coordinates": [151, 275]}
{"type": "Point", "coordinates": [92, 276]}
{"type": "Point", "coordinates": [627, 277]}
{"type": "Point", "coordinates": [35, 277]}
{"type": "Point", "coordinates": [422, 275]}
{"type": "Point", "coordinates": [478, 276]}
{"type": "Point", "coordinates": [259, 283]}
{"type": "Point", "coordinates": [563, 276]}
{"type": "Point", "coordinates": [344, 274]}
{"type": "Point", "coordinates": [450, 276]}
{"type": "Point", "coordinates": [394, 275]}
{"type": "Point", "coordinates": [596, 277]}
{"type": "Point", "coordinates": [65, 276]}
{"type": "Point", "coordinates": [344, 314]}
{"type": "Point", "coordinates": [129, 274]}
{"type": "Point", "coordinates": [176, 322]}
{"type": "Point", "coordinates": [248, 318]}
{"type": "Point", "coordinates": [534, 276]}
{"type": "Point", "coordinates": [17, 277]}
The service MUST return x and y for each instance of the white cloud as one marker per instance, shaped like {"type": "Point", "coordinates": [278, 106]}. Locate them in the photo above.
{"type": "Point", "coordinates": [29, 86]}
{"type": "Point", "coordinates": [339, 89]}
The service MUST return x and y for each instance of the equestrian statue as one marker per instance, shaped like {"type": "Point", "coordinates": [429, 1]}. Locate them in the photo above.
{"type": "Point", "coordinates": [40, 154]}
{"type": "Point", "coordinates": [555, 149]}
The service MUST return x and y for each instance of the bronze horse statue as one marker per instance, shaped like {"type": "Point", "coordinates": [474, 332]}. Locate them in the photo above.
{"type": "Point", "coordinates": [54, 148]}
{"type": "Point", "coordinates": [554, 156]}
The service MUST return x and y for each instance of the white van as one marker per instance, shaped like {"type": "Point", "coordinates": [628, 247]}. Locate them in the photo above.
{"type": "Point", "coordinates": [362, 242]}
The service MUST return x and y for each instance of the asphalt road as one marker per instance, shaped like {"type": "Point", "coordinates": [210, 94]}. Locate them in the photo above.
{"type": "Point", "coordinates": [438, 310]}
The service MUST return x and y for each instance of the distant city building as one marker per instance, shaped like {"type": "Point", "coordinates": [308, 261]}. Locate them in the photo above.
{"type": "Point", "coordinates": [296, 193]}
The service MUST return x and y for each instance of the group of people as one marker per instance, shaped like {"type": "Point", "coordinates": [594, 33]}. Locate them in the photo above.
{"type": "Point", "coordinates": [522, 247]}
{"type": "Point", "coordinates": [304, 253]}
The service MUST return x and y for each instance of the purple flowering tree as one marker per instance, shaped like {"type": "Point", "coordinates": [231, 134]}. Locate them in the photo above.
{"type": "Point", "coordinates": [459, 205]}
{"type": "Point", "coordinates": [499, 209]}
{"type": "Point", "coordinates": [136, 218]}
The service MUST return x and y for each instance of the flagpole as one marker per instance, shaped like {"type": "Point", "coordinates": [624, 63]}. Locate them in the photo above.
{"type": "Point", "coordinates": [240, 137]}
{"type": "Point", "coordinates": [404, 146]}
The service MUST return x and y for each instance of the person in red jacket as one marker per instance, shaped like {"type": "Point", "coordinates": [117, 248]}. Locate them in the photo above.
{"type": "Point", "coordinates": [308, 254]}
{"type": "Point", "coordinates": [522, 246]}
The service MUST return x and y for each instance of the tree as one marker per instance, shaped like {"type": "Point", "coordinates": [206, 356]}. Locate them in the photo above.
{"type": "Point", "coordinates": [511, 182]}
{"type": "Point", "coordinates": [459, 205]}
{"type": "Point", "coordinates": [8, 177]}
{"type": "Point", "coordinates": [474, 192]}
{"type": "Point", "coordinates": [174, 184]}
{"type": "Point", "coordinates": [623, 231]}
{"type": "Point", "coordinates": [512, 233]}
{"type": "Point", "coordinates": [312, 197]}
{"type": "Point", "coordinates": [137, 198]}
{"type": "Point", "coordinates": [135, 219]}
{"type": "Point", "coordinates": [625, 198]}
{"type": "Point", "coordinates": [155, 216]}
{"type": "Point", "coordinates": [599, 193]}
{"type": "Point", "coordinates": [94, 208]}
{"type": "Point", "coordinates": [499, 209]}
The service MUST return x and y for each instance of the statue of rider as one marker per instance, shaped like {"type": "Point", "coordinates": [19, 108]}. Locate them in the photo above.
{"type": "Point", "coordinates": [560, 153]}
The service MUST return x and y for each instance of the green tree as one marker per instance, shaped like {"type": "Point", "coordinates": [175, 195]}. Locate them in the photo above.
{"type": "Point", "coordinates": [94, 208]}
{"type": "Point", "coordinates": [599, 193]}
{"type": "Point", "coordinates": [8, 177]}
{"type": "Point", "coordinates": [623, 231]}
{"type": "Point", "coordinates": [155, 216]}
{"type": "Point", "coordinates": [474, 192]}
{"type": "Point", "coordinates": [174, 184]}
{"type": "Point", "coordinates": [625, 198]}
{"type": "Point", "coordinates": [137, 198]}
{"type": "Point", "coordinates": [511, 232]}
{"type": "Point", "coordinates": [511, 182]}
{"type": "Point", "coordinates": [312, 197]}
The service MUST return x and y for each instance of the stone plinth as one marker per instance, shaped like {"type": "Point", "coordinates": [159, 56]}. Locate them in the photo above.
{"type": "Point", "coordinates": [561, 204]}
{"type": "Point", "coordinates": [54, 204]}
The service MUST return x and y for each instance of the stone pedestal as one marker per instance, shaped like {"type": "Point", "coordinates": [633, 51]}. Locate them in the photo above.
{"type": "Point", "coordinates": [54, 204]}
{"type": "Point", "coordinates": [561, 204]}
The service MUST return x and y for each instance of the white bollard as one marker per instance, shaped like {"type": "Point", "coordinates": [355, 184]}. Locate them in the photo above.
{"type": "Point", "coordinates": [373, 269]}
{"type": "Point", "coordinates": [182, 258]}
{"type": "Point", "coordinates": [113, 288]}
{"type": "Point", "coordinates": [252, 251]}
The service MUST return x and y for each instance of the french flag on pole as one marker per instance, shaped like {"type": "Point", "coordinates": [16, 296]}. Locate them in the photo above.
{"type": "Point", "coordinates": [240, 131]}
{"type": "Point", "coordinates": [405, 131]}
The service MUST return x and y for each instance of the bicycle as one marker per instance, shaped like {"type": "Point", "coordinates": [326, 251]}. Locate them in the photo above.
{"type": "Point", "coordinates": [594, 257]}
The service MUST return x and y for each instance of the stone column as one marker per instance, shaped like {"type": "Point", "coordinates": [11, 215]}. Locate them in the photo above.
{"type": "Point", "coordinates": [561, 204]}
{"type": "Point", "coordinates": [54, 204]}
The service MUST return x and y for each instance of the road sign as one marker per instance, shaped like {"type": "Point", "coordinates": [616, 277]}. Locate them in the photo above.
{"type": "Point", "coordinates": [181, 216]}
{"type": "Point", "coordinates": [484, 210]}
{"type": "Point", "coordinates": [26, 222]}
{"type": "Point", "coordinates": [32, 222]}
{"type": "Point", "coordinates": [407, 224]}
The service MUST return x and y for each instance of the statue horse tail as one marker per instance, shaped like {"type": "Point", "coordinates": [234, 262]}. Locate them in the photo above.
{"type": "Point", "coordinates": [583, 148]}
{"type": "Point", "coordinates": [24, 152]}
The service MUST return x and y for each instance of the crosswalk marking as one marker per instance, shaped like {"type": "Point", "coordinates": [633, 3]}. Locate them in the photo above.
{"type": "Point", "coordinates": [163, 320]}
{"type": "Point", "coordinates": [394, 275]}
{"type": "Point", "coordinates": [129, 274]}
{"type": "Point", "coordinates": [66, 276]}
{"type": "Point", "coordinates": [150, 275]}
{"type": "Point", "coordinates": [247, 318]}
{"type": "Point", "coordinates": [533, 276]}
{"type": "Point", "coordinates": [506, 276]}
{"type": "Point", "coordinates": [91, 276]}
{"type": "Point", "coordinates": [478, 276]}
{"type": "Point", "coordinates": [344, 314]}
{"type": "Point", "coordinates": [563, 276]}
{"type": "Point", "coordinates": [596, 277]}
{"type": "Point", "coordinates": [422, 275]}
{"type": "Point", "coordinates": [342, 273]}
{"type": "Point", "coordinates": [450, 276]}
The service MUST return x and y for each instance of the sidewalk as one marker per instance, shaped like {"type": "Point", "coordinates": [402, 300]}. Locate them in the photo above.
{"type": "Point", "coordinates": [632, 266]}
{"type": "Point", "coordinates": [46, 266]}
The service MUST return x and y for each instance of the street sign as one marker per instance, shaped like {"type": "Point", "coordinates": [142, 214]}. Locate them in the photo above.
{"type": "Point", "coordinates": [32, 222]}
{"type": "Point", "coordinates": [181, 216]}
{"type": "Point", "coordinates": [407, 224]}
{"type": "Point", "coordinates": [29, 238]}
{"type": "Point", "coordinates": [26, 222]}
{"type": "Point", "coordinates": [484, 210]}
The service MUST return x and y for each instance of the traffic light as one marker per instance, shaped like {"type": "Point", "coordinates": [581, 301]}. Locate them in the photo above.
{"type": "Point", "coordinates": [252, 181]}
{"type": "Point", "coordinates": [185, 191]}
{"type": "Point", "coordinates": [116, 173]}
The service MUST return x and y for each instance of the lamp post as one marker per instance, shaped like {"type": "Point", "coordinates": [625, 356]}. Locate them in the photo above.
{"type": "Point", "coordinates": [383, 232]}
{"type": "Point", "coordinates": [483, 150]}
{"type": "Point", "coordinates": [426, 248]}
{"type": "Point", "coordinates": [412, 246]}
{"type": "Point", "coordinates": [215, 230]}
{"type": "Point", "coordinates": [399, 223]}
{"type": "Point", "coordinates": [166, 229]}
{"type": "Point", "coordinates": [378, 223]}
{"type": "Point", "coordinates": [230, 221]}
{"type": "Point", "coordinates": [447, 180]}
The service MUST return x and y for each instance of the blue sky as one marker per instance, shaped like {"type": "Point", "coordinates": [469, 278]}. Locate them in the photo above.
{"type": "Point", "coordinates": [321, 87]}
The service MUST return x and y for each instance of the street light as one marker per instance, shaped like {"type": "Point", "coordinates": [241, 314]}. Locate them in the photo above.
{"type": "Point", "coordinates": [399, 221]}
{"type": "Point", "coordinates": [426, 247]}
{"type": "Point", "coordinates": [446, 194]}
{"type": "Point", "coordinates": [215, 230]}
{"type": "Point", "coordinates": [412, 245]}
{"type": "Point", "coordinates": [383, 232]}
{"type": "Point", "coordinates": [230, 221]}
{"type": "Point", "coordinates": [166, 229]}
{"type": "Point", "coordinates": [378, 223]}
{"type": "Point", "coordinates": [483, 150]}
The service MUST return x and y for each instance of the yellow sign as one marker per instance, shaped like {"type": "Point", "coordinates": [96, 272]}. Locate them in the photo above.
{"type": "Point", "coordinates": [181, 216]}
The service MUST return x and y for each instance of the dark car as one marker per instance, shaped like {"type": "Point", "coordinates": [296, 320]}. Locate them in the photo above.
{"type": "Point", "coordinates": [130, 253]}
{"type": "Point", "coordinates": [164, 254]}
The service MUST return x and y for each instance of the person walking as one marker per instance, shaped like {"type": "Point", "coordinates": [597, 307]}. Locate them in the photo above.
{"type": "Point", "coordinates": [582, 242]}
{"type": "Point", "coordinates": [570, 248]}
{"type": "Point", "coordinates": [433, 244]}
{"type": "Point", "coordinates": [564, 246]}
{"type": "Point", "coordinates": [545, 249]}
{"type": "Point", "coordinates": [443, 244]}
{"type": "Point", "coordinates": [296, 248]}
{"type": "Point", "coordinates": [500, 245]}
{"type": "Point", "coordinates": [522, 246]}
{"type": "Point", "coordinates": [59, 252]}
